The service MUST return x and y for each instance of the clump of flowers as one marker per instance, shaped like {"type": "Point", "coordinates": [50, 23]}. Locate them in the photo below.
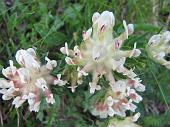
{"type": "Point", "coordinates": [119, 98]}
{"type": "Point", "coordinates": [29, 81]}
{"type": "Point", "coordinates": [158, 47]}
{"type": "Point", "coordinates": [100, 54]}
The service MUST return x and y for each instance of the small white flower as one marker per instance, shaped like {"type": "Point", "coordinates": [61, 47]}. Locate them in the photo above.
{"type": "Point", "coordinates": [158, 47]}
{"type": "Point", "coordinates": [27, 59]}
{"type": "Point", "coordinates": [134, 96]}
{"type": "Point", "coordinates": [95, 16]}
{"type": "Point", "coordinates": [81, 72]}
{"type": "Point", "coordinates": [9, 71]}
{"type": "Point", "coordinates": [111, 112]}
{"type": "Point", "coordinates": [109, 101]}
{"type": "Point", "coordinates": [41, 83]}
{"type": "Point", "coordinates": [136, 117]}
{"type": "Point", "coordinates": [69, 61]}
{"type": "Point", "coordinates": [59, 81]}
{"type": "Point", "coordinates": [94, 87]}
{"type": "Point", "coordinates": [50, 63]}
{"type": "Point", "coordinates": [87, 34]}
{"type": "Point", "coordinates": [35, 107]}
{"type": "Point", "coordinates": [73, 88]}
{"type": "Point", "coordinates": [4, 83]}
{"type": "Point", "coordinates": [65, 49]}
{"type": "Point", "coordinates": [24, 75]}
{"type": "Point", "coordinates": [119, 86]}
{"type": "Point", "coordinates": [50, 99]}
{"type": "Point", "coordinates": [18, 101]}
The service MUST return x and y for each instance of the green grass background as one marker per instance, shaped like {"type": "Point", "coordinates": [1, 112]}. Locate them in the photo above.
{"type": "Point", "coordinates": [48, 24]}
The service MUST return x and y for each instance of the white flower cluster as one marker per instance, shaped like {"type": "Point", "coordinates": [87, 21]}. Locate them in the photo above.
{"type": "Point", "coordinates": [158, 47]}
{"type": "Point", "coordinates": [100, 54]}
{"type": "Point", "coordinates": [28, 82]}
{"type": "Point", "coordinates": [120, 99]}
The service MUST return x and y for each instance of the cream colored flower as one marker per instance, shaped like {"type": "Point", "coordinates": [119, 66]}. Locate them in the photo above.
{"type": "Point", "coordinates": [158, 47]}
{"type": "Point", "coordinates": [100, 53]}
{"type": "Point", "coordinates": [28, 82]}
{"type": "Point", "coordinates": [120, 98]}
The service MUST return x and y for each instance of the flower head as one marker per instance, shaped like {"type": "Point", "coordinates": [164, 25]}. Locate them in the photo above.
{"type": "Point", "coordinates": [158, 47]}
{"type": "Point", "coordinates": [100, 53]}
{"type": "Point", "coordinates": [28, 82]}
{"type": "Point", "coordinates": [119, 99]}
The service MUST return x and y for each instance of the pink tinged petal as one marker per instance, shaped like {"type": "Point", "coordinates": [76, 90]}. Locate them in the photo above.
{"type": "Point", "coordinates": [154, 40]}
{"type": "Point", "coordinates": [27, 59]}
{"type": "Point", "coordinates": [106, 20]}
{"type": "Point", "coordinates": [50, 63]}
{"type": "Point", "coordinates": [117, 43]}
{"type": "Point", "coordinates": [4, 83]}
{"type": "Point", "coordinates": [127, 72]}
{"type": "Point", "coordinates": [69, 61]}
{"type": "Point", "coordinates": [18, 101]}
{"type": "Point", "coordinates": [130, 29]}
{"type": "Point", "coordinates": [95, 16]}
{"type": "Point", "coordinates": [59, 81]}
{"type": "Point", "coordinates": [135, 52]}
{"type": "Point", "coordinates": [31, 98]}
{"type": "Point", "coordinates": [134, 96]}
{"type": "Point", "coordinates": [118, 64]}
{"type": "Point", "coordinates": [32, 52]}
{"type": "Point", "coordinates": [140, 87]}
{"type": "Point", "coordinates": [13, 87]}
{"type": "Point", "coordinates": [132, 107]}
{"type": "Point", "coordinates": [24, 75]}
{"type": "Point", "coordinates": [6, 95]}
{"type": "Point", "coordinates": [86, 35]}
{"type": "Point", "coordinates": [73, 88]}
{"type": "Point", "coordinates": [119, 86]}
{"type": "Point", "coordinates": [81, 72]}
{"type": "Point", "coordinates": [65, 49]}
{"type": "Point", "coordinates": [121, 113]}
{"type": "Point", "coordinates": [126, 105]}
{"type": "Point", "coordinates": [50, 99]}
{"type": "Point", "coordinates": [9, 71]}
{"type": "Point", "coordinates": [35, 107]}
{"type": "Point", "coordinates": [136, 117]}
{"type": "Point", "coordinates": [126, 28]}
{"type": "Point", "coordinates": [41, 83]}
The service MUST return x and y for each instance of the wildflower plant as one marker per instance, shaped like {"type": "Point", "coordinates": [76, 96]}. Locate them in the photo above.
{"type": "Point", "coordinates": [100, 54]}
{"type": "Point", "coordinates": [29, 81]}
{"type": "Point", "coordinates": [158, 48]}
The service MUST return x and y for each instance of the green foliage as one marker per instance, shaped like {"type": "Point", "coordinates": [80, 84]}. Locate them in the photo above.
{"type": "Point", "coordinates": [48, 24]}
